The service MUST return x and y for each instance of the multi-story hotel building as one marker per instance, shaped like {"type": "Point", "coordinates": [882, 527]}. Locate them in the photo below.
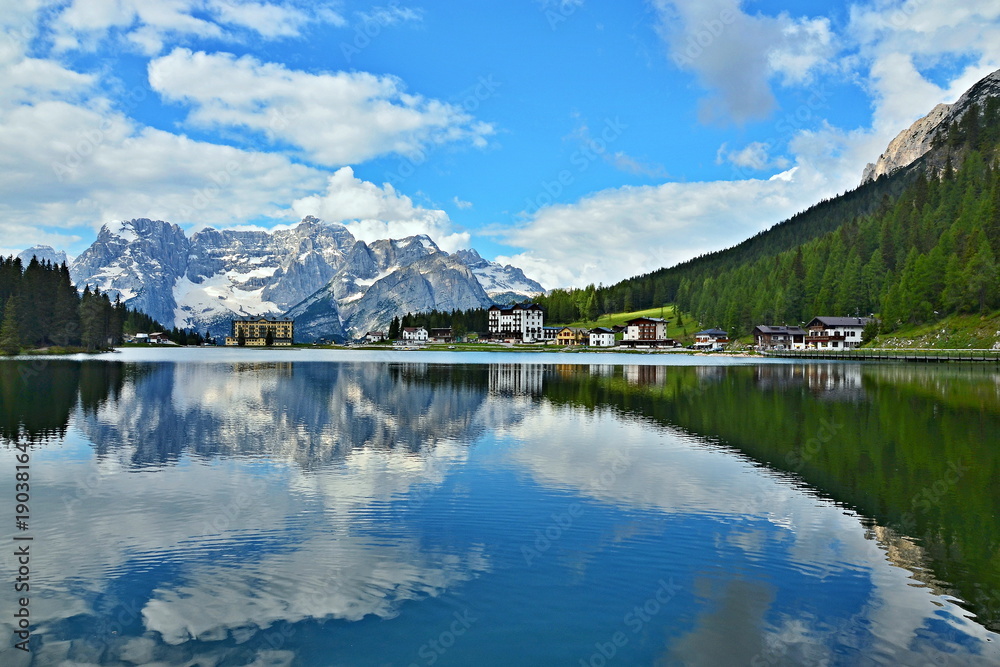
{"type": "Point", "coordinates": [254, 330]}
{"type": "Point", "coordinates": [521, 321]}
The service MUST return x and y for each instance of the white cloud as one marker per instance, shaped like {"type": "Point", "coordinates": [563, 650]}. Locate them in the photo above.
{"type": "Point", "coordinates": [754, 156]}
{"type": "Point", "coordinates": [64, 166]}
{"type": "Point", "coordinates": [335, 118]}
{"type": "Point", "coordinates": [624, 232]}
{"type": "Point", "coordinates": [735, 55]}
{"type": "Point", "coordinates": [900, 41]}
{"type": "Point", "coordinates": [372, 212]}
{"type": "Point", "coordinates": [148, 25]}
{"type": "Point", "coordinates": [461, 203]}
{"type": "Point", "coordinates": [267, 20]}
{"type": "Point", "coordinates": [391, 14]}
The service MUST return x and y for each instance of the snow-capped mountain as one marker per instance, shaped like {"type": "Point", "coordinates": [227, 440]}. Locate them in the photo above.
{"type": "Point", "coordinates": [503, 283]}
{"type": "Point", "coordinates": [332, 284]}
{"type": "Point", "coordinates": [389, 278]}
{"type": "Point", "coordinates": [44, 253]}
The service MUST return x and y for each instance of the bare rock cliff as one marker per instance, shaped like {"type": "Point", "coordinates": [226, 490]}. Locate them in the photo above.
{"type": "Point", "coordinates": [915, 141]}
{"type": "Point", "coordinates": [909, 145]}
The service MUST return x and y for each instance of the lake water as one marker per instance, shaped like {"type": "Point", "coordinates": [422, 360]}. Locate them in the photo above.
{"type": "Point", "coordinates": [236, 507]}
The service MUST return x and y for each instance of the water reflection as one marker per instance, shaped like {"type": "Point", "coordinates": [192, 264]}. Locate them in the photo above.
{"type": "Point", "coordinates": [227, 513]}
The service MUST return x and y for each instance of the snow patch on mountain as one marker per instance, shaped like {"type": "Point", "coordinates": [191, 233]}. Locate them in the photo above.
{"type": "Point", "coordinates": [44, 253]}
{"type": "Point", "coordinates": [499, 279]}
{"type": "Point", "coordinates": [332, 284]}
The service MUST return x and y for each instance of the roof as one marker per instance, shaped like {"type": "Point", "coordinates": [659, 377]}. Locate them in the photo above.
{"type": "Point", "coordinates": [601, 330]}
{"type": "Point", "coordinates": [262, 318]}
{"type": "Point", "coordinates": [375, 333]}
{"type": "Point", "coordinates": [712, 332]}
{"type": "Point", "coordinates": [767, 329]}
{"type": "Point", "coordinates": [516, 306]}
{"type": "Point", "coordinates": [411, 329]}
{"type": "Point", "coordinates": [841, 321]}
{"type": "Point", "coordinates": [647, 319]}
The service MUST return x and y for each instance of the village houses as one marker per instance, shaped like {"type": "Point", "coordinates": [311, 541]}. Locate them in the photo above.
{"type": "Point", "coordinates": [569, 336]}
{"type": "Point", "coordinates": [711, 339]}
{"type": "Point", "coordinates": [822, 333]}
{"type": "Point", "coordinates": [602, 337]}
{"type": "Point", "coordinates": [647, 332]}
{"type": "Point", "coordinates": [831, 333]}
{"type": "Point", "coordinates": [415, 335]}
{"type": "Point", "coordinates": [767, 337]}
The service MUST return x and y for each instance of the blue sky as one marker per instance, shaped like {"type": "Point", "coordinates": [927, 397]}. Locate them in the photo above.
{"type": "Point", "coordinates": [583, 141]}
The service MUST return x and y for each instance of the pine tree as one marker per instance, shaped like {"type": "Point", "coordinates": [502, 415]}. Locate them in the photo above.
{"type": "Point", "coordinates": [66, 311]}
{"type": "Point", "coordinates": [10, 341]}
{"type": "Point", "coordinates": [980, 278]}
{"type": "Point", "coordinates": [394, 328]}
{"type": "Point", "coordinates": [94, 307]}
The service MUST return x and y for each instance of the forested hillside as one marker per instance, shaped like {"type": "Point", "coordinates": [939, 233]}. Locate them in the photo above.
{"type": "Point", "coordinates": [911, 246]}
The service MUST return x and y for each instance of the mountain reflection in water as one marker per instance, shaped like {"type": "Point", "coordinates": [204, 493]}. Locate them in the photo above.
{"type": "Point", "coordinates": [348, 513]}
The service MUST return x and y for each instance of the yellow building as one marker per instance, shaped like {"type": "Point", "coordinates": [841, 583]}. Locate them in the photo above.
{"type": "Point", "coordinates": [253, 331]}
{"type": "Point", "coordinates": [572, 336]}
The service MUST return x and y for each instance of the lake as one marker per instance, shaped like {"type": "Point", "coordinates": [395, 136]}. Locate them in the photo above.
{"type": "Point", "coordinates": [306, 508]}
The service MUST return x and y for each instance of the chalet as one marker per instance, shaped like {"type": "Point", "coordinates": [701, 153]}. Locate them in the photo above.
{"type": "Point", "coordinates": [571, 336]}
{"type": "Point", "coordinates": [257, 331]}
{"type": "Point", "coordinates": [831, 333]}
{"type": "Point", "coordinates": [766, 337]}
{"type": "Point", "coordinates": [646, 332]}
{"type": "Point", "coordinates": [441, 335]}
{"type": "Point", "coordinates": [711, 339]}
{"type": "Point", "coordinates": [521, 321]}
{"type": "Point", "coordinates": [602, 337]}
{"type": "Point", "coordinates": [417, 335]}
{"type": "Point", "coordinates": [158, 337]}
{"type": "Point", "coordinates": [375, 336]}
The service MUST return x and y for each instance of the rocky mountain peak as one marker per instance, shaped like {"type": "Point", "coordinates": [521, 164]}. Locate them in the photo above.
{"type": "Point", "coordinates": [44, 253]}
{"type": "Point", "coordinates": [333, 284]}
{"type": "Point", "coordinates": [914, 142]}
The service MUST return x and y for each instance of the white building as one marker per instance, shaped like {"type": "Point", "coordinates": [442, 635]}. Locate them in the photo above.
{"type": "Point", "coordinates": [522, 321]}
{"type": "Point", "coordinates": [415, 335]}
{"type": "Point", "coordinates": [375, 336]}
{"type": "Point", "coordinates": [711, 339]}
{"type": "Point", "coordinates": [602, 337]}
{"type": "Point", "coordinates": [835, 333]}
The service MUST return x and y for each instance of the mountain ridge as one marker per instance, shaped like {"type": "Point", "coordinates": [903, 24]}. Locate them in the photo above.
{"type": "Point", "coordinates": [316, 270]}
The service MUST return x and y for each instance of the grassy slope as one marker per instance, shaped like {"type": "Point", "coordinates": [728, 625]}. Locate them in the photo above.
{"type": "Point", "coordinates": [673, 331]}
{"type": "Point", "coordinates": [955, 332]}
